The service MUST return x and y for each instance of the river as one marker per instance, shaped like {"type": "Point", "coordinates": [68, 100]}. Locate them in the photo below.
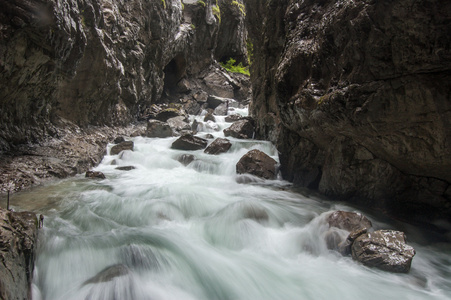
{"type": "Point", "coordinates": [202, 232]}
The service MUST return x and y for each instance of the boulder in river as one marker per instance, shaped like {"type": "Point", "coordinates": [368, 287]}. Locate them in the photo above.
{"type": "Point", "coordinates": [108, 274]}
{"type": "Point", "coordinates": [221, 110]}
{"type": "Point", "coordinates": [169, 113]}
{"type": "Point", "coordinates": [158, 129]}
{"type": "Point", "coordinates": [95, 174]}
{"type": "Point", "coordinates": [233, 118]}
{"type": "Point", "coordinates": [119, 140]}
{"type": "Point", "coordinates": [209, 117]}
{"type": "Point", "coordinates": [218, 146]}
{"type": "Point", "coordinates": [257, 163]}
{"type": "Point", "coordinates": [186, 159]}
{"type": "Point", "coordinates": [243, 129]}
{"type": "Point", "coordinates": [179, 124]}
{"type": "Point", "coordinates": [125, 168]}
{"type": "Point", "coordinates": [384, 249]}
{"type": "Point", "coordinates": [349, 221]}
{"type": "Point", "coordinates": [122, 147]}
{"type": "Point", "coordinates": [189, 142]}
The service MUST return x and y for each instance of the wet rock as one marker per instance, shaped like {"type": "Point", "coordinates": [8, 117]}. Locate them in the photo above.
{"type": "Point", "coordinates": [95, 174]}
{"type": "Point", "coordinates": [209, 136]}
{"type": "Point", "coordinates": [108, 274]}
{"type": "Point", "coordinates": [218, 146]}
{"type": "Point", "coordinates": [119, 140]}
{"type": "Point", "coordinates": [189, 142]}
{"type": "Point", "coordinates": [349, 221]}
{"type": "Point", "coordinates": [233, 118]}
{"type": "Point", "coordinates": [18, 243]}
{"type": "Point", "coordinates": [186, 159]}
{"type": "Point", "coordinates": [214, 101]}
{"type": "Point", "coordinates": [168, 113]}
{"type": "Point", "coordinates": [195, 126]}
{"type": "Point", "coordinates": [129, 145]}
{"type": "Point", "coordinates": [243, 129]}
{"type": "Point", "coordinates": [212, 125]}
{"type": "Point", "coordinates": [345, 247]}
{"type": "Point", "coordinates": [384, 249]}
{"type": "Point", "coordinates": [209, 117]}
{"type": "Point", "coordinates": [126, 168]}
{"type": "Point", "coordinates": [179, 124]}
{"type": "Point", "coordinates": [221, 110]}
{"type": "Point", "coordinates": [158, 129]}
{"type": "Point", "coordinates": [257, 163]}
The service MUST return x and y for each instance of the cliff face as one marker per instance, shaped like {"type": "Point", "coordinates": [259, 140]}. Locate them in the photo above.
{"type": "Point", "coordinates": [99, 62]}
{"type": "Point", "coordinates": [356, 96]}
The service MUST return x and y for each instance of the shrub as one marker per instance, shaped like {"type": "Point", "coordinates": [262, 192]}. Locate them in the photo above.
{"type": "Point", "coordinates": [231, 66]}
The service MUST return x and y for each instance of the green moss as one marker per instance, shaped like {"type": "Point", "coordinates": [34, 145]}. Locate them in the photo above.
{"type": "Point", "coordinates": [164, 3]}
{"type": "Point", "coordinates": [240, 6]}
{"type": "Point", "coordinates": [193, 26]}
{"type": "Point", "coordinates": [201, 3]}
{"type": "Point", "coordinates": [231, 66]}
{"type": "Point", "coordinates": [217, 12]}
{"type": "Point", "coordinates": [250, 51]}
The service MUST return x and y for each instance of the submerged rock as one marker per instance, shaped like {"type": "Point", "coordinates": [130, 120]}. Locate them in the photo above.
{"type": "Point", "coordinates": [218, 146]}
{"type": "Point", "coordinates": [95, 174]}
{"type": "Point", "coordinates": [243, 129]}
{"type": "Point", "coordinates": [129, 145]}
{"type": "Point", "coordinates": [209, 117]}
{"type": "Point", "coordinates": [384, 249]}
{"type": "Point", "coordinates": [108, 274]}
{"type": "Point", "coordinates": [257, 163]}
{"type": "Point", "coordinates": [158, 129]}
{"type": "Point", "coordinates": [189, 142]}
{"type": "Point", "coordinates": [126, 168]}
{"type": "Point", "coordinates": [186, 159]}
{"type": "Point", "coordinates": [18, 241]}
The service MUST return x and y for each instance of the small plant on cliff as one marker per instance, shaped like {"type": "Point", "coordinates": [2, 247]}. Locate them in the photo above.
{"type": "Point", "coordinates": [164, 3]}
{"type": "Point", "coordinates": [201, 3]}
{"type": "Point", "coordinates": [250, 51]}
{"type": "Point", "coordinates": [231, 66]}
{"type": "Point", "coordinates": [240, 6]}
{"type": "Point", "coordinates": [217, 12]}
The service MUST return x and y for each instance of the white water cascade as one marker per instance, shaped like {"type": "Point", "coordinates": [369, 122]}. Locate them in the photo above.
{"type": "Point", "coordinates": [170, 232]}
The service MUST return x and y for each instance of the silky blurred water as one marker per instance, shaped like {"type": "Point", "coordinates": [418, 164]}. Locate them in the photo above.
{"type": "Point", "coordinates": [203, 232]}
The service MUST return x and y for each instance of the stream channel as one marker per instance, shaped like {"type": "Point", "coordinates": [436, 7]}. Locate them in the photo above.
{"type": "Point", "coordinates": [201, 231]}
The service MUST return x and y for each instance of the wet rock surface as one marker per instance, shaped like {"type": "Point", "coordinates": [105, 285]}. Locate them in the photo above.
{"type": "Point", "coordinates": [356, 97]}
{"type": "Point", "coordinates": [189, 142]}
{"type": "Point", "coordinates": [158, 129]}
{"type": "Point", "coordinates": [18, 243]}
{"type": "Point", "coordinates": [95, 174]}
{"type": "Point", "coordinates": [384, 249]}
{"type": "Point", "coordinates": [349, 221]}
{"type": "Point", "coordinates": [218, 146]}
{"type": "Point", "coordinates": [186, 159]}
{"type": "Point", "coordinates": [257, 163]}
{"type": "Point", "coordinates": [124, 146]}
{"type": "Point", "coordinates": [243, 129]}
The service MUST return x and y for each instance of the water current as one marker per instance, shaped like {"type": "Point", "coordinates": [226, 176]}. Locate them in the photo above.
{"type": "Point", "coordinates": [168, 231]}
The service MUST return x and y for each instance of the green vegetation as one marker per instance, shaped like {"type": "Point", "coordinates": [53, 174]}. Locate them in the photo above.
{"type": "Point", "coordinates": [217, 12]}
{"type": "Point", "coordinates": [250, 51]}
{"type": "Point", "coordinates": [231, 66]}
{"type": "Point", "coordinates": [240, 6]}
{"type": "Point", "coordinates": [193, 26]}
{"type": "Point", "coordinates": [201, 3]}
{"type": "Point", "coordinates": [164, 3]}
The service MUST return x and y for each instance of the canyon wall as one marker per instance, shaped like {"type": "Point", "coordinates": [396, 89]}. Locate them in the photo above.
{"type": "Point", "coordinates": [356, 96]}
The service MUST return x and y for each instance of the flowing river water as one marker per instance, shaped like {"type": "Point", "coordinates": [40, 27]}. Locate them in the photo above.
{"type": "Point", "coordinates": [174, 232]}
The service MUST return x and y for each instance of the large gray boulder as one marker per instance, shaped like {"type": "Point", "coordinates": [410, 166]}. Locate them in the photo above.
{"type": "Point", "coordinates": [384, 249]}
{"type": "Point", "coordinates": [129, 145]}
{"type": "Point", "coordinates": [18, 241]}
{"type": "Point", "coordinates": [158, 129]}
{"type": "Point", "coordinates": [218, 146]}
{"type": "Point", "coordinates": [189, 142]}
{"type": "Point", "coordinates": [243, 129]}
{"type": "Point", "coordinates": [257, 163]}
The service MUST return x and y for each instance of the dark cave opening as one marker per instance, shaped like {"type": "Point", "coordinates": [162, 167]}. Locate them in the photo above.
{"type": "Point", "coordinates": [173, 72]}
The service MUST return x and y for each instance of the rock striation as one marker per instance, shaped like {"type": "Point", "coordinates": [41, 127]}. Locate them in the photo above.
{"type": "Point", "coordinates": [355, 95]}
{"type": "Point", "coordinates": [18, 237]}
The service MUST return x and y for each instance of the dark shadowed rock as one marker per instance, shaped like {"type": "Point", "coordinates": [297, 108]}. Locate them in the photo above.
{"type": "Point", "coordinates": [218, 146]}
{"type": "Point", "coordinates": [108, 274]}
{"type": "Point", "coordinates": [186, 159]}
{"type": "Point", "coordinates": [209, 136]}
{"type": "Point", "coordinates": [233, 118]}
{"type": "Point", "coordinates": [209, 117]}
{"type": "Point", "coordinates": [349, 221]}
{"type": "Point", "coordinates": [168, 113]}
{"type": "Point", "coordinates": [158, 129]}
{"type": "Point", "coordinates": [257, 163]}
{"type": "Point", "coordinates": [119, 140]}
{"type": "Point", "coordinates": [384, 249]}
{"type": "Point", "coordinates": [95, 174]}
{"type": "Point", "coordinates": [243, 129]}
{"type": "Point", "coordinates": [345, 247]}
{"type": "Point", "coordinates": [126, 168]}
{"type": "Point", "coordinates": [18, 241]}
{"type": "Point", "coordinates": [122, 147]}
{"type": "Point", "coordinates": [189, 142]}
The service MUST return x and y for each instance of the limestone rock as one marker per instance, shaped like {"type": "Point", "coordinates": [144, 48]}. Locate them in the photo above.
{"type": "Point", "coordinates": [349, 221]}
{"type": "Point", "coordinates": [129, 145]}
{"type": "Point", "coordinates": [257, 163]}
{"type": "Point", "coordinates": [384, 249]}
{"type": "Point", "coordinates": [243, 129]}
{"type": "Point", "coordinates": [218, 146]}
{"type": "Point", "coordinates": [18, 243]}
{"type": "Point", "coordinates": [189, 142]}
{"type": "Point", "coordinates": [158, 129]}
{"type": "Point", "coordinates": [95, 174]}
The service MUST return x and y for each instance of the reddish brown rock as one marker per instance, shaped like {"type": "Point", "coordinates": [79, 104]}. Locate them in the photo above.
{"type": "Point", "coordinates": [257, 163]}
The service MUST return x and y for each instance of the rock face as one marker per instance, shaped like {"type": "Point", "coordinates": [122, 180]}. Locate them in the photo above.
{"type": "Point", "coordinates": [218, 146]}
{"type": "Point", "coordinates": [355, 95]}
{"type": "Point", "coordinates": [18, 238]}
{"type": "Point", "coordinates": [257, 163]}
{"type": "Point", "coordinates": [189, 142]}
{"type": "Point", "coordinates": [384, 249]}
{"type": "Point", "coordinates": [129, 145]}
{"type": "Point", "coordinates": [242, 129]}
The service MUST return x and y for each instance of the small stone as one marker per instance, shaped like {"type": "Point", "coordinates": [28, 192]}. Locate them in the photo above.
{"type": "Point", "coordinates": [186, 159]}
{"type": "Point", "coordinates": [126, 168]}
{"type": "Point", "coordinates": [119, 140]}
{"type": "Point", "coordinates": [95, 174]}
{"type": "Point", "coordinates": [122, 147]}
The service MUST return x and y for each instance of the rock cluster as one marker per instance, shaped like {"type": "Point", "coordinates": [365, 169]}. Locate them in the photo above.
{"type": "Point", "coordinates": [355, 94]}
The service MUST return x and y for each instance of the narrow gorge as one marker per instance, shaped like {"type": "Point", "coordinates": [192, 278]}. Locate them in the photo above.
{"type": "Point", "coordinates": [250, 149]}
